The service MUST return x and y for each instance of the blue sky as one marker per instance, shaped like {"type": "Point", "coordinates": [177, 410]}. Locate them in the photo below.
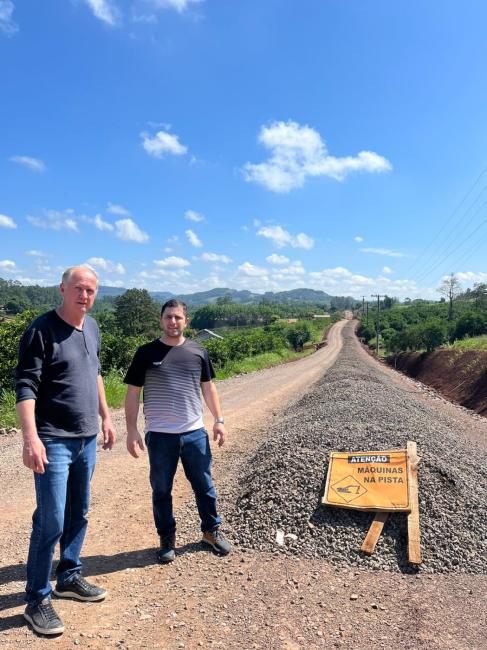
{"type": "Point", "coordinates": [261, 144]}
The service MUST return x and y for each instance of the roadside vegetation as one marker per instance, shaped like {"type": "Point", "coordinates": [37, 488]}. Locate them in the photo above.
{"type": "Point", "coordinates": [254, 337]}
{"type": "Point", "coordinates": [459, 319]}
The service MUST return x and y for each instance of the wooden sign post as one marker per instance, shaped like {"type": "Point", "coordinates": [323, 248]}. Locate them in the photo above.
{"type": "Point", "coordinates": [380, 481]}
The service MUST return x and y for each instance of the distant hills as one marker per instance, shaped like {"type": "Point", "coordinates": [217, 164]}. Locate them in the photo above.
{"type": "Point", "coordinates": [294, 296]}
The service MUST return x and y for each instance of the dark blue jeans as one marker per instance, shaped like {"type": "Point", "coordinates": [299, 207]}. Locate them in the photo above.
{"type": "Point", "coordinates": [63, 494]}
{"type": "Point", "coordinates": [165, 450]}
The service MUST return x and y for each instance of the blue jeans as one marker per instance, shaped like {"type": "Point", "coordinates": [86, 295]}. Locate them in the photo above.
{"type": "Point", "coordinates": [63, 494]}
{"type": "Point", "coordinates": [165, 450]}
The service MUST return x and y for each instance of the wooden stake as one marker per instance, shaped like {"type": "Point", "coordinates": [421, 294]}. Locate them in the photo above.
{"type": "Point", "coordinates": [374, 532]}
{"type": "Point", "coordinates": [414, 540]}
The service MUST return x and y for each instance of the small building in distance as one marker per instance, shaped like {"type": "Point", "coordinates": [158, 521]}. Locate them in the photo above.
{"type": "Point", "coordinates": [318, 316]}
{"type": "Point", "coordinates": [204, 335]}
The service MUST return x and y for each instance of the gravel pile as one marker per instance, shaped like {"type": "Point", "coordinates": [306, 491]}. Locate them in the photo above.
{"type": "Point", "coordinates": [352, 408]}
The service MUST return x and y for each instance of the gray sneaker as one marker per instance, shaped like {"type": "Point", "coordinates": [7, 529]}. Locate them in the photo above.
{"type": "Point", "coordinates": [43, 617]}
{"type": "Point", "coordinates": [218, 543]}
{"type": "Point", "coordinates": [79, 589]}
{"type": "Point", "coordinates": [167, 552]}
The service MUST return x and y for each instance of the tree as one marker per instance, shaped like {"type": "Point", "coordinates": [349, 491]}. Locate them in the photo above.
{"type": "Point", "coordinates": [298, 334]}
{"type": "Point", "coordinates": [136, 313]}
{"type": "Point", "coordinates": [450, 288]}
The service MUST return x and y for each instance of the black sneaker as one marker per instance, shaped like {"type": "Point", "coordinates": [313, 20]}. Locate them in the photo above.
{"type": "Point", "coordinates": [215, 539]}
{"type": "Point", "coordinates": [80, 589]}
{"type": "Point", "coordinates": [43, 618]}
{"type": "Point", "coordinates": [166, 552]}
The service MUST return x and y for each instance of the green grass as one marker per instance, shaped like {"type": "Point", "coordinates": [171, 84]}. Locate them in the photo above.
{"type": "Point", "coordinates": [115, 389]}
{"type": "Point", "coordinates": [8, 414]}
{"type": "Point", "coordinates": [473, 343]}
{"type": "Point", "coordinates": [259, 362]}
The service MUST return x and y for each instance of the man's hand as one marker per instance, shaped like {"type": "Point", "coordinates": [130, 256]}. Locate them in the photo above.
{"type": "Point", "coordinates": [219, 433]}
{"type": "Point", "coordinates": [109, 434]}
{"type": "Point", "coordinates": [34, 455]}
{"type": "Point", "coordinates": [134, 443]}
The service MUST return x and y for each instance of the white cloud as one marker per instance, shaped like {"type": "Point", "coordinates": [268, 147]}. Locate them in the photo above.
{"type": "Point", "coordinates": [191, 215]}
{"type": "Point", "coordinates": [7, 24]}
{"type": "Point", "coordinates": [281, 237]}
{"type": "Point", "coordinates": [358, 239]}
{"type": "Point", "coordinates": [277, 259]}
{"type": "Point", "coordinates": [298, 152]}
{"type": "Point", "coordinates": [102, 264]}
{"type": "Point", "coordinates": [386, 270]}
{"type": "Point", "coordinates": [128, 230]}
{"type": "Point", "coordinates": [193, 239]}
{"type": "Point", "coordinates": [35, 253]}
{"type": "Point", "coordinates": [35, 164]}
{"type": "Point", "coordinates": [382, 251]}
{"type": "Point", "coordinates": [8, 265]}
{"type": "Point", "coordinates": [469, 276]}
{"type": "Point", "coordinates": [294, 269]}
{"type": "Point", "coordinates": [100, 224]}
{"type": "Point", "coordinates": [252, 271]}
{"type": "Point", "coordinates": [118, 210]}
{"type": "Point", "coordinates": [172, 262]}
{"type": "Point", "coordinates": [162, 143]}
{"type": "Point", "coordinates": [104, 10]}
{"type": "Point", "coordinates": [7, 222]}
{"type": "Point", "coordinates": [178, 5]}
{"type": "Point", "coordinates": [213, 257]}
{"type": "Point", "coordinates": [56, 220]}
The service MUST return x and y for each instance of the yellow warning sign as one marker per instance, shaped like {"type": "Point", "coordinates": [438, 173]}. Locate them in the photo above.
{"type": "Point", "coordinates": [368, 480]}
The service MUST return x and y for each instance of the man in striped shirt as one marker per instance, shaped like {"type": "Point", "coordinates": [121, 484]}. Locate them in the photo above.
{"type": "Point", "coordinates": [174, 373]}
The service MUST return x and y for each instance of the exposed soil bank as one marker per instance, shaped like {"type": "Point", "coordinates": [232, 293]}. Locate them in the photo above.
{"type": "Point", "coordinates": [459, 375]}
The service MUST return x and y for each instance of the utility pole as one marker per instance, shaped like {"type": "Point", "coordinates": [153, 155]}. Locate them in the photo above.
{"type": "Point", "coordinates": [378, 296]}
{"type": "Point", "coordinates": [363, 306]}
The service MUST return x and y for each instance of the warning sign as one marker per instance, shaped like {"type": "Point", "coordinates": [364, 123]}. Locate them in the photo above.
{"type": "Point", "coordinates": [371, 480]}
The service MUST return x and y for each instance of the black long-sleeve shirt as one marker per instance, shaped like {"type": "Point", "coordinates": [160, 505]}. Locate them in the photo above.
{"type": "Point", "coordinates": [58, 367]}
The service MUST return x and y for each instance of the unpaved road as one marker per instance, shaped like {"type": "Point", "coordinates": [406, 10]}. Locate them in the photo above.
{"type": "Point", "coordinates": [249, 599]}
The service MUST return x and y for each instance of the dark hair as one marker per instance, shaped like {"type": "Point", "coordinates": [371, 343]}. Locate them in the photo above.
{"type": "Point", "coordinates": [174, 303]}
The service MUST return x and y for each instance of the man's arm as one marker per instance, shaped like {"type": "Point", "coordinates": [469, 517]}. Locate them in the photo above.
{"type": "Point", "coordinates": [134, 439]}
{"type": "Point", "coordinates": [109, 434]}
{"type": "Point", "coordinates": [34, 453]}
{"type": "Point", "coordinates": [212, 400]}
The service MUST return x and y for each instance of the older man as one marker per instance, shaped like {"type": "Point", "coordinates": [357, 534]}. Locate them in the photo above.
{"type": "Point", "coordinates": [60, 395]}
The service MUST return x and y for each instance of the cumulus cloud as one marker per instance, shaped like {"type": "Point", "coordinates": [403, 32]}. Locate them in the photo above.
{"type": "Point", "coordinates": [298, 152]}
{"type": "Point", "coordinates": [172, 262]}
{"type": "Point", "coordinates": [193, 239]}
{"type": "Point", "coordinates": [128, 230]}
{"type": "Point", "coordinates": [35, 164]}
{"type": "Point", "coordinates": [281, 238]}
{"type": "Point", "coordinates": [178, 5]}
{"type": "Point", "coordinates": [294, 269]}
{"type": "Point", "coordinates": [382, 251]}
{"type": "Point", "coordinates": [118, 210]}
{"type": "Point", "coordinates": [358, 239]}
{"type": "Point", "coordinates": [213, 257]}
{"type": "Point", "coordinates": [386, 270]}
{"type": "Point", "coordinates": [100, 224]}
{"type": "Point", "coordinates": [469, 276]}
{"type": "Point", "coordinates": [252, 271]}
{"type": "Point", "coordinates": [7, 24]}
{"type": "Point", "coordinates": [102, 264]}
{"type": "Point", "coordinates": [55, 220]}
{"type": "Point", "coordinates": [277, 259]}
{"type": "Point", "coordinates": [7, 222]}
{"type": "Point", "coordinates": [191, 215]}
{"type": "Point", "coordinates": [8, 265]}
{"type": "Point", "coordinates": [162, 143]}
{"type": "Point", "coordinates": [104, 10]}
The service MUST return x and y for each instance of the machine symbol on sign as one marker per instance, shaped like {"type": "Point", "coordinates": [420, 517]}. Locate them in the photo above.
{"type": "Point", "coordinates": [348, 488]}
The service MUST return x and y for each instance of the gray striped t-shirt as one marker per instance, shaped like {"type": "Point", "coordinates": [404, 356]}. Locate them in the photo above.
{"type": "Point", "coordinates": [171, 377]}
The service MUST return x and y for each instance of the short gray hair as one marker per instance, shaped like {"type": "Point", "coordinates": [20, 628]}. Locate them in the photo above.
{"type": "Point", "coordinates": [71, 269]}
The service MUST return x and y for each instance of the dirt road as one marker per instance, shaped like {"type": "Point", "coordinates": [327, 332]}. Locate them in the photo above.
{"type": "Point", "coordinates": [247, 600]}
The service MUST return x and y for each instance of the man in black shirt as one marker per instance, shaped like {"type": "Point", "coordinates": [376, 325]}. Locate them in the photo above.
{"type": "Point", "coordinates": [60, 395]}
{"type": "Point", "coordinates": [174, 372]}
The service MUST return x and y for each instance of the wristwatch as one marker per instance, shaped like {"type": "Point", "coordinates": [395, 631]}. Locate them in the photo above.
{"type": "Point", "coordinates": [219, 421]}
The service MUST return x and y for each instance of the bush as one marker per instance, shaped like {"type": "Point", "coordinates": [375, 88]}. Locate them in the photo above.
{"type": "Point", "coordinates": [298, 334]}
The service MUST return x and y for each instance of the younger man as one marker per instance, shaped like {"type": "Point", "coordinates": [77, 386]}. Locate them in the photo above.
{"type": "Point", "coordinates": [174, 371]}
